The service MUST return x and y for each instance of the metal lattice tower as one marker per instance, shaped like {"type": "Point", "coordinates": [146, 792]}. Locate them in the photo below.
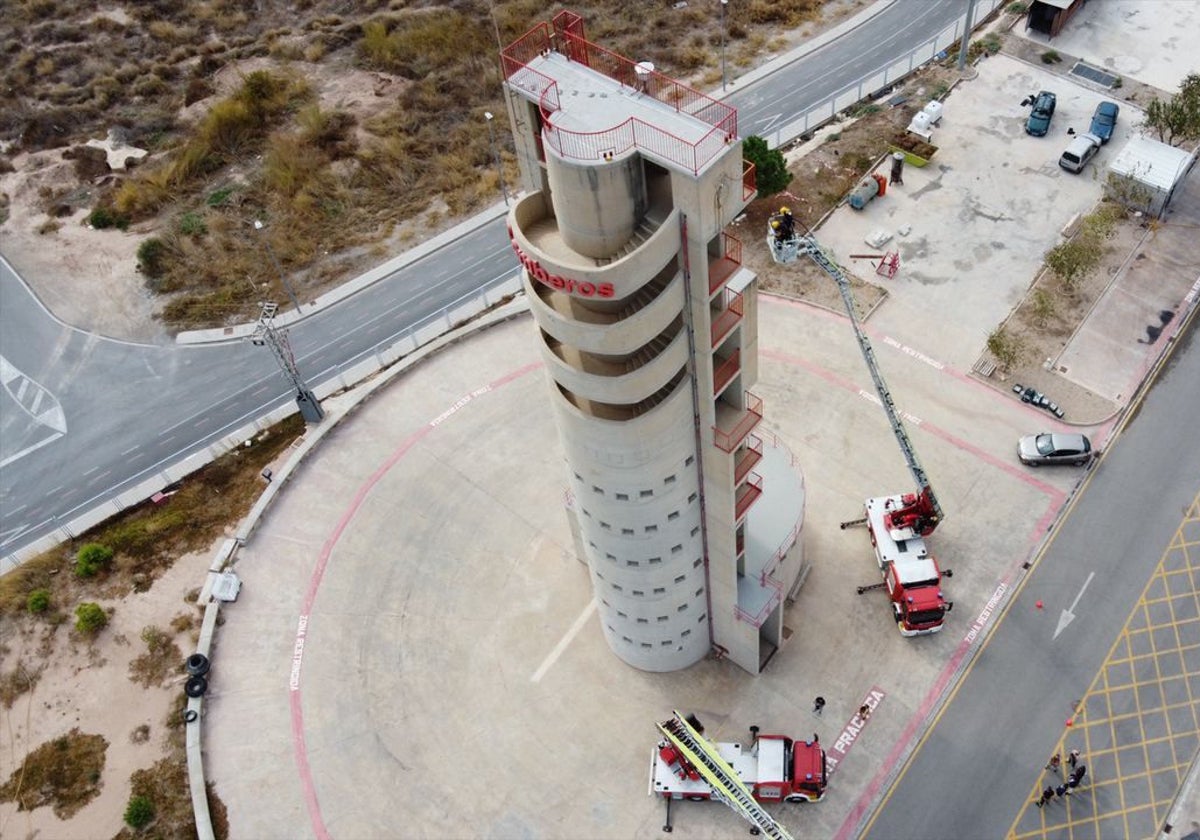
{"type": "Point", "coordinates": [268, 335]}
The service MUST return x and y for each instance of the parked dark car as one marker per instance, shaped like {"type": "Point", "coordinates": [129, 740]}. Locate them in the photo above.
{"type": "Point", "coordinates": [1105, 120]}
{"type": "Point", "coordinates": [1036, 450]}
{"type": "Point", "coordinates": [1043, 110]}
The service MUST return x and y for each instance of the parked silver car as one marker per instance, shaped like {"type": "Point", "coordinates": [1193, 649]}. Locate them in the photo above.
{"type": "Point", "coordinates": [1036, 450]}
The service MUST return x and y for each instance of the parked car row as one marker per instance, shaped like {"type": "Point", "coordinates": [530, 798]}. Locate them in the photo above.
{"type": "Point", "coordinates": [1083, 147]}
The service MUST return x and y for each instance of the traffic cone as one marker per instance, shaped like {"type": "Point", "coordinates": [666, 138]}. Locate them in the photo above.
{"type": "Point", "coordinates": [1038, 605]}
{"type": "Point", "coordinates": [1070, 721]}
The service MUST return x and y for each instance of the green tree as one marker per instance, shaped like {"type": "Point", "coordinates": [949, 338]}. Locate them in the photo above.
{"type": "Point", "coordinates": [1071, 261]}
{"type": "Point", "coordinates": [1006, 347]}
{"type": "Point", "coordinates": [770, 169]}
{"type": "Point", "coordinates": [90, 618]}
{"type": "Point", "coordinates": [1177, 120]}
{"type": "Point", "coordinates": [91, 559]}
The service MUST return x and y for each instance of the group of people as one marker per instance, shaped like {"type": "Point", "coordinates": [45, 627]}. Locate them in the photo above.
{"type": "Point", "coordinates": [783, 224]}
{"type": "Point", "coordinates": [1068, 785]}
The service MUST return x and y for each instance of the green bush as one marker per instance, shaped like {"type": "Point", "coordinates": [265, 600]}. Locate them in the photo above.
{"type": "Point", "coordinates": [38, 601]}
{"type": "Point", "coordinates": [139, 812]}
{"type": "Point", "coordinates": [90, 618]}
{"type": "Point", "coordinates": [91, 559]}
{"type": "Point", "coordinates": [104, 217]}
{"type": "Point", "coordinates": [770, 169]}
{"type": "Point", "coordinates": [1051, 57]}
{"type": "Point", "coordinates": [192, 224]}
{"type": "Point", "coordinates": [151, 257]}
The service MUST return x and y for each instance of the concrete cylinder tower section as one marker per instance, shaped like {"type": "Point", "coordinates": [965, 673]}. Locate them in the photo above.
{"type": "Point", "coordinates": [647, 324]}
{"type": "Point", "coordinates": [636, 488]}
{"type": "Point", "coordinates": [598, 206]}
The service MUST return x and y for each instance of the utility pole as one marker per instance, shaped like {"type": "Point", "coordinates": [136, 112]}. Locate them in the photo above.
{"type": "Point", "coordinates": [487, 115]}
{"type": "Point", "coordinates": [266, 334]}
{"type": "Point", "coordinates": [724, 3]}
{"type": "Point", "coordinates": [966, 38]}
{"type": "Point", "coordinates": [258, 225]}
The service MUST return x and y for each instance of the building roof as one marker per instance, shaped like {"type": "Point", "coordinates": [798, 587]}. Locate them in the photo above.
{"type": "Point", "coordinates": [1150, 162]}
{"type": "Point", "coordinates": [1058, 4]}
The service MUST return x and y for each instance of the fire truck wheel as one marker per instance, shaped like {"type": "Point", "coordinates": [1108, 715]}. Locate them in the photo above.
{"type": "Point", "coordinates": [795, 797]}
{"type": "Point", "coordinates": [195, 687]}
{"type": "Point", "coordinates": [696, 798]}
{"type": "Point", "coordinates": [198, 665]}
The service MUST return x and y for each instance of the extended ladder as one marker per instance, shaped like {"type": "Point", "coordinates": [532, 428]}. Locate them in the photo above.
{"type": "Point", "coordinates": [808, 245]}
{"type": "Point", "coordinates": [723, 779]}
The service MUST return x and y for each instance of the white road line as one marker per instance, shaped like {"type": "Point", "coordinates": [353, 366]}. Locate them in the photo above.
{"type": "Point", "coordinates": [131, 449]}
{"type": "Point", "coordinates": [92, 470]}
{"type": "Point", "coordinates": [564, 641]}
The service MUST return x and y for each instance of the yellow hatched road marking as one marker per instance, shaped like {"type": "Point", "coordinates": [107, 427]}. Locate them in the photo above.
{"type": "Point", "coordinates": [1138, 726]}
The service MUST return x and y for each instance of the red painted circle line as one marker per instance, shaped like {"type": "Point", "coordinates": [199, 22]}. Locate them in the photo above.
{"type": "Point", "coordinates": [308, 790]}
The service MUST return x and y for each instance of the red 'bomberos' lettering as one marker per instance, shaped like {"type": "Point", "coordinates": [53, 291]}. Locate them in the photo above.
{"type": "Point", "coordinates": [583, 288]}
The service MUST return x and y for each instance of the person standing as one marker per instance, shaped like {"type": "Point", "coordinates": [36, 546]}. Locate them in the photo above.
{"type": "Point", "coordinates": [1062, 791]}
{"type": "Point", "coordinates": [818, 705]}
{"type": "Point", "coordinates": [1077, 776]}
{"type": "Point", "coordinates": [1073, 758]}
{"type": "Point", "coordinates": [864, 712]}
{"type": "Point", "coordinates": [1055, 763]}
{"type": "Point", "coordinates": [1047, 795]}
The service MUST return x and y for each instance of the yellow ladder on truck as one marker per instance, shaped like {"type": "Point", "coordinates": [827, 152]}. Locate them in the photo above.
{"type": "Point", "coordinates": [723, 779]}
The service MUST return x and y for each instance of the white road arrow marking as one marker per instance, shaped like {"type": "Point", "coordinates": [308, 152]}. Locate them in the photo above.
{"type": "Point", "coordinates": [1068, 615]}
{"type": "Point", "coordinates": [769, 123]}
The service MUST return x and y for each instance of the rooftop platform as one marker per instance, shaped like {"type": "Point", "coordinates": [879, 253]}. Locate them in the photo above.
{"type": "Point", "coordinates": [597, 105]}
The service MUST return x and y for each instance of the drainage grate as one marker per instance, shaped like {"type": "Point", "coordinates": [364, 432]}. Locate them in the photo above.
{"type": "Point", "coordinates": [1094, 74]}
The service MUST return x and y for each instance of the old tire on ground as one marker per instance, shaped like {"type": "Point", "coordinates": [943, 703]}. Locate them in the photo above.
{"type": "Point", "coordinates": [190, 716]}
{"type": "Point", "coordinates": [197, 665]}
{"type": "Point", "coordinates": [195, 687]}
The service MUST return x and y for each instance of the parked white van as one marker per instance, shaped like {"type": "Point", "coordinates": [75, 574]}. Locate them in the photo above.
{"type": "Point", "coordinates": [1082, 149]}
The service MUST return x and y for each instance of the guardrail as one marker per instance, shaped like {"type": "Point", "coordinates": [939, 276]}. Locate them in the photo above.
{"type": "Point", "coordinates": [141, 487]}
{"type": "Point", "coordinates": [878, 79]}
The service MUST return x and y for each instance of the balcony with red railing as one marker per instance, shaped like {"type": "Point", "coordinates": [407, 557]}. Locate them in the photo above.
{"type": "Point", "coordinates": [733, 424]}
{"type": "Point", "coordinates": [724, 372]}
{"type": "Point", "coordinates": [749, 181]}
{"type": "Point", "coordinates": [721, 268]}
{"type": "Point", "coordinates": [644, 109]}
{"type": "Point", "coordinates": [728, 316]}
{"type": "Point", "coordinates": [747, 494]}
{"type": "Point", "coordinates": [747, 458]}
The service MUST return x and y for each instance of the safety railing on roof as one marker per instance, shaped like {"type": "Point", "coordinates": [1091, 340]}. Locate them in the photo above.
{"type": "Point", "coordinates": [566, 38]}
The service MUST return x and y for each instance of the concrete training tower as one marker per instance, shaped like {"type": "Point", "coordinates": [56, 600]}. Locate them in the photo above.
{"type": "Point", "coordinates": [647, 323]}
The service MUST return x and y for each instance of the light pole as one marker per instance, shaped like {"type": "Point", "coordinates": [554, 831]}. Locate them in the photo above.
{"type": "Point", "coordinates": [487, 115]}
{"type": "Point", "coordinates": [266, 334]}
{"type": "Point", "coordinates": [258, 225]}
{"type": "Point", "coordinates": [724, 3]}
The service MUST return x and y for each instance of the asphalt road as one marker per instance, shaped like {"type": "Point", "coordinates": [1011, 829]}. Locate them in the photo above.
{"type": "Point", "coordinates": [132, 409]}
{"type": "Point", "coordinates": [973, 771]}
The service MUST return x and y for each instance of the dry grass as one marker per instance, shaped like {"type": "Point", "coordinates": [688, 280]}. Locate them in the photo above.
{"type": "Point", "coordinates": [18, 681]}
{"type": "Point", "coordinates": [161, 659]}
{"type": "Point", "coordinates": [147, 538]}
{"type": "Point", "coordinates": [63, 773]}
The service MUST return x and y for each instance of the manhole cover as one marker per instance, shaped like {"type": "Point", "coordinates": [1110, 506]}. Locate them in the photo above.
{"type": "Point", "coordinates": [1094, 74]}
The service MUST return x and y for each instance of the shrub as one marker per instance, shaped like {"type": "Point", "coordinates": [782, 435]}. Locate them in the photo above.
{"type": "Point", "coordinates": [92, 558]}
{"type": "Point", "coordinates": [192, 224]}
{"type": "Point", "coordinates": [1051, 57]}
{"type": "Point", "coordinates": [139, 812]}
{"type": "Point", "coordinates": [38, 601]}
{"type": "Point", "coordinates": [150, 255]}
{"type": "Point", "coordinates": [90, 618]}
{"type": "Point", "coordinates": [106, 217]}
{"type": "Point", "coordinates": [770, 169]}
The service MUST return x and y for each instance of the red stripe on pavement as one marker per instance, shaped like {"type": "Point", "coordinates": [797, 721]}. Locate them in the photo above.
{"type": "Point", "coordinates": [308, 789]}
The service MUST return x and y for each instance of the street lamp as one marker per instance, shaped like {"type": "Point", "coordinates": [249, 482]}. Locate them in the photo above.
{"type": "Point", "coordinates": [487, 115]}
{"type": "Point", "coordinates": [258, 225]}
{"type": "Point", "coordinates": [724, 3]}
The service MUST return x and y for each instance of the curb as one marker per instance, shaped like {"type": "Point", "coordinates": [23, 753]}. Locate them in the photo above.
{"type": "Point", "coordinates": [226, 556]}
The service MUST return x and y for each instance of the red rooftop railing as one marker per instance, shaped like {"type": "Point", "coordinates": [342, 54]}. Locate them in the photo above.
{"type": "Point", "coordinates": [567, 38]}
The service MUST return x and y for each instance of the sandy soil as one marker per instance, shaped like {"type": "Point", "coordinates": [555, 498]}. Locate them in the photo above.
{"type": "Point", "coordinates": [87, 685]}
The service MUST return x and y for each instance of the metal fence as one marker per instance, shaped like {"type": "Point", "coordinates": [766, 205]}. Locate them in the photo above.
{"type": "Point", "coordinates": [879, 79]}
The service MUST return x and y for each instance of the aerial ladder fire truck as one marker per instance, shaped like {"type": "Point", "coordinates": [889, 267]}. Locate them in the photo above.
{"type": "Point", "coordinates": [686, 765]}
{"type": "Point", "coordinates": [898, 524]}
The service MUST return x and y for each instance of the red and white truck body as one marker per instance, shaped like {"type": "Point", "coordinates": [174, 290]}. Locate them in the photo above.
{"type": "Point", "coordinates": [774, 768]}
{"type": "Point", "coordinates": [910, 572]}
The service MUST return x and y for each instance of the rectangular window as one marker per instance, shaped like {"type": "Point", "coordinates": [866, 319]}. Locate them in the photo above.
{"type": "Point", "coordinates": [605, 526]}
{"type": "Point", "coordinates": [667, 643]}
{"type": "Point", "coordinates": [692, 498]}
{"type": "Point", "coordinates": [691, 459]}
{"type": "Point", "coordinates": [660, 590]}
{"type": "Point", "coordinates": [654, 561]}
{"type": "Point", "coordinates": [643, 621]}
{"type": "Point", "coordinates": [621, 614]}
{"type": "Point", "coordinates": [622, 497]}
{"type": "Point", "coordinates": [695, 530]}
{"type": "Point", "coordinates": [663, 618]}
{"type": "Point", "coordinates": [681, 579]}
{"type": "Point", "coordinates": [596, 489]}
{"type": "Point", "coordinates": [669, 480]}
{"type": "Point", "coordinates": [696, 563]}
{"type": "Point", "coordinates": [627, 532]}
{"type": "Point", "coordinates": [617, 587]}
{"type": "Point", "coordinates": [684, 634]}
{"type": "Point", "coordinates": [638, 593]}
{"type": "Point", "coordinates": [609, 557]}
{"type": "Point", "coordinates": [646, 493]}
{"type": "Point", "coordinates": [681, 608]}
{"type": "Point", "coordinates": [675, 549]}
{"type": "Point", "coordinates": [647, 645]}
{"type": "Point", "coordinates": [672, 516]}
{"type": "Point", "coordinates": [650, 529]}
{"type": "Point", "coordinates": [632, 563]}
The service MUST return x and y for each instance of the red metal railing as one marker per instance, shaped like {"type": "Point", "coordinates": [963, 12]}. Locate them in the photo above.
{"type": "Point", "coordinates": [728, 441]}
{"type": "Point", "coordinates": [729, 317]}
{"type": "Point", "coordinates": [748, 458]}
{"type": "Point", "coordinates": [758, 619]}
{"type": "Point", "coordinates": [568, 39]}
{"type": "Point", "coordinates": [726, 371]}
{"type": "Point", "coordinates": [723, 267]}
{"type": "Point", "coordinates": [749, 181]}
{"type": "Point", "coordinates": [747, 494]}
